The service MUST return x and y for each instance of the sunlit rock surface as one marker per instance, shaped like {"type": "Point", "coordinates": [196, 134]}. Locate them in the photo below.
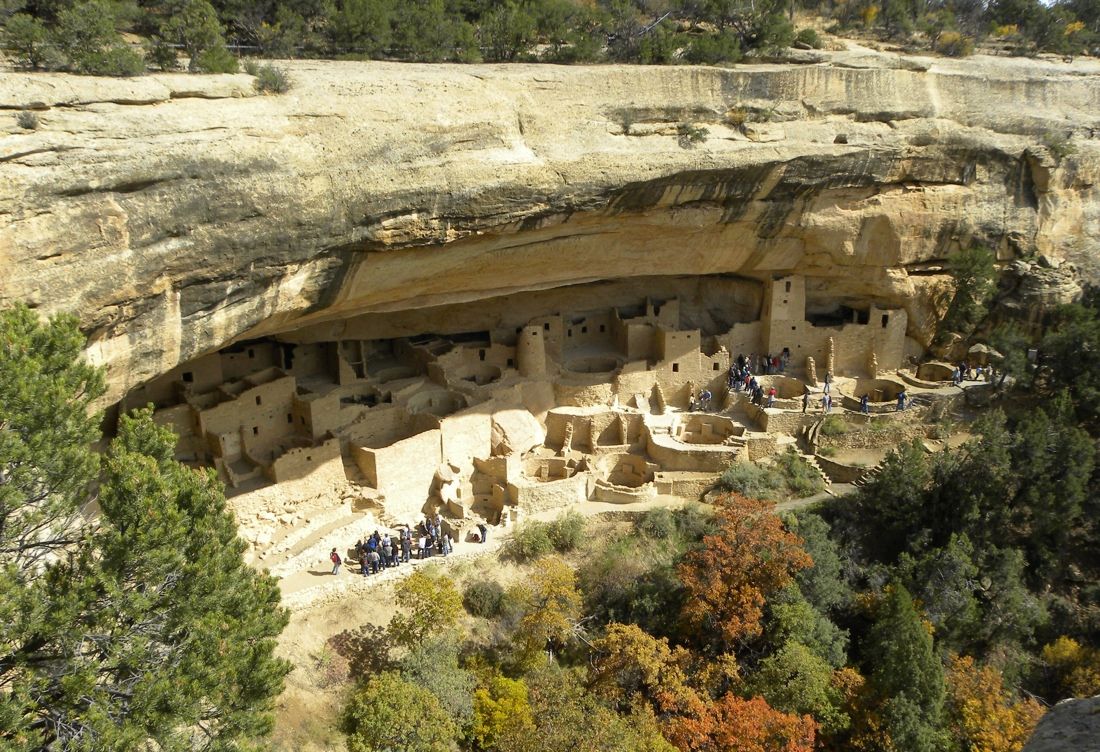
{"type": "Point", "coordinates": [175, 214]}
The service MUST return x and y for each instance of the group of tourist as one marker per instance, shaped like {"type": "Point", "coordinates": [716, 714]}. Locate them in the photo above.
{"type": "Point", "coordinates": [967, 372]}
{"type": "Point", "coordinates": [767, 364]}
{"type": "Point", "coordinates": [380, 551]}
{"type": "Point", "coordinates": [741, 378]}
{"type": "Point", "coordinates": [702, 402]}
{"type": "Point", "coordinates": [741, 369]}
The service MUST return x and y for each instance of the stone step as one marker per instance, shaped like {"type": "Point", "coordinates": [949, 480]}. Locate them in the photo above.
{"type": "Point", "coordinates": [291, 540]}
{"type": "Point", "coordinates": [313, 552]}
{"type": "Point", "coordinates": [812, 462]}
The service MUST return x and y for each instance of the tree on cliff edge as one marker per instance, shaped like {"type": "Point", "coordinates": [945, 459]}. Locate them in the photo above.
{"type": "Point", "coordinates": [142, 623]}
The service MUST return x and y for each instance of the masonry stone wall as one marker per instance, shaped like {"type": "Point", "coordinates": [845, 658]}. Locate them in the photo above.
{"type": "Point", "coordinates": [300, 462]}
{"type": "Point", "coordinates": [248, 359]}
{"type": "Point", "coordinates": [404, 471]}
{"type": "Point", "coordinates": [533, 497]}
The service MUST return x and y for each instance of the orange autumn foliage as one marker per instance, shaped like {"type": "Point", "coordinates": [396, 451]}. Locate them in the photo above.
{"type": "Point", "coordinates": [729, 579]}
{"type": "Point", "coordinates": [985, 716]}
{"type": "Point", "coordinates": [733, 724]}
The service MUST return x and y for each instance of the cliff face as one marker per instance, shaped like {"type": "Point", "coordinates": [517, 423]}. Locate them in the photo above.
{"type": "Point", "coordinates": [1070, 725]}
{"type": "Point", "coordinates": [176, 214]}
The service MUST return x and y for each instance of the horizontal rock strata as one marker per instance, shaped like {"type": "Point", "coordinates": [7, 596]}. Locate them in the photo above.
{"type": "Point", "coordinates": [175, 214]}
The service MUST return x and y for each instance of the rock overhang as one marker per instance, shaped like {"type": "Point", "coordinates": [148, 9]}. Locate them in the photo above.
{"type": "Point", "coordinates": [177, 220]}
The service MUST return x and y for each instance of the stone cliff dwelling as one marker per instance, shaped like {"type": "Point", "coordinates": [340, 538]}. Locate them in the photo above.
{"type": "Point", "coordinates": [528, 412]}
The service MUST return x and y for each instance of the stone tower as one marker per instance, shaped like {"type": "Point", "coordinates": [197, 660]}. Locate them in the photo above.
{"type": "Point", "coordinates": [531, 352]}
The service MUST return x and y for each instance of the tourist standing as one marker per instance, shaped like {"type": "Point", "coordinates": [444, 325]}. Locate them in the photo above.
{"type": "Point", "coordinates": [336, 561]}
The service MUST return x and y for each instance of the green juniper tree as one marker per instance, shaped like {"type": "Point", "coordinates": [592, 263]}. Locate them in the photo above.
{"type": "Point", "coordinates": [906, 675]}
{"type": "Point", "coordinates": [138, 626]}
{"type": "Point", "coordinates": [975, 274]}
{"type": "Point", "coordinates": [27, 39]}
{"type": "Point", "coordinates": [195, 27]}
{"type": "Point", "coordinates": [86, 33]}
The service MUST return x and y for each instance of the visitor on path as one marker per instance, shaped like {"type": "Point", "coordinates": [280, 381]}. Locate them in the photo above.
{"type": "Point", "coordinates": [902, 400]}
{"type": "Point", "coordinates": [375, 562]}
{"type": "Point", "coordinates": [826, 403]}
{"type": "Point", "coordinates": [336, 561]}
{"type": "Point", "coordinates": [805, 400]}
{"type": "Point", "coordinates": [864, 406]}
{"type": "Point", "coordinates": [704, 400]}
{"type": "Point", "coordinates": [771, 397]}
{"type": "Point", "coordinates": [387, 552]}
{"type": "Point", "coordinates": [422, 549]}
{"type": "Point", "coordinates": [446, 544]}
{"type": "Point", "coordinates": [484, 531]}
{"type": "Point", "coordinates": [406, 544]}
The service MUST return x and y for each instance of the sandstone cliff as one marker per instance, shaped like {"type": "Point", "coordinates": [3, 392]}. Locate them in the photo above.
{"type": "Point", "coordinates": [175, 214]}
{"type": "Point", "coordinates": [1069, 725]}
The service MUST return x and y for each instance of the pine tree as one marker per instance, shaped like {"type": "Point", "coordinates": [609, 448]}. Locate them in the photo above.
{"type": "Point", "coordinates": [194, 25]}
{"type": "Point", "coordinates": [141, 625]}
{"type": "Point", "coordinates": [907, 676]}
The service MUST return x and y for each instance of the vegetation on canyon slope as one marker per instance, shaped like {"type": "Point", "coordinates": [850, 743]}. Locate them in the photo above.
{"type": "Point", "coordinates": [85, 36]}
{"type": "Point", "coordinates": [938, 611]}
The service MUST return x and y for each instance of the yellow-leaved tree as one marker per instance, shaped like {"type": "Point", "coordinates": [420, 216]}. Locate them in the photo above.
{"type": "Point", "coordinates": [502, 708]}
{"type": "Point", "coordinates": [430, 605]}
{"type": "Point", "coordinates": [1074, 668]}
{"type": "Point", "coordinates": [985, 716]}
{"type": "Point", "coordinates": [551, 606]}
